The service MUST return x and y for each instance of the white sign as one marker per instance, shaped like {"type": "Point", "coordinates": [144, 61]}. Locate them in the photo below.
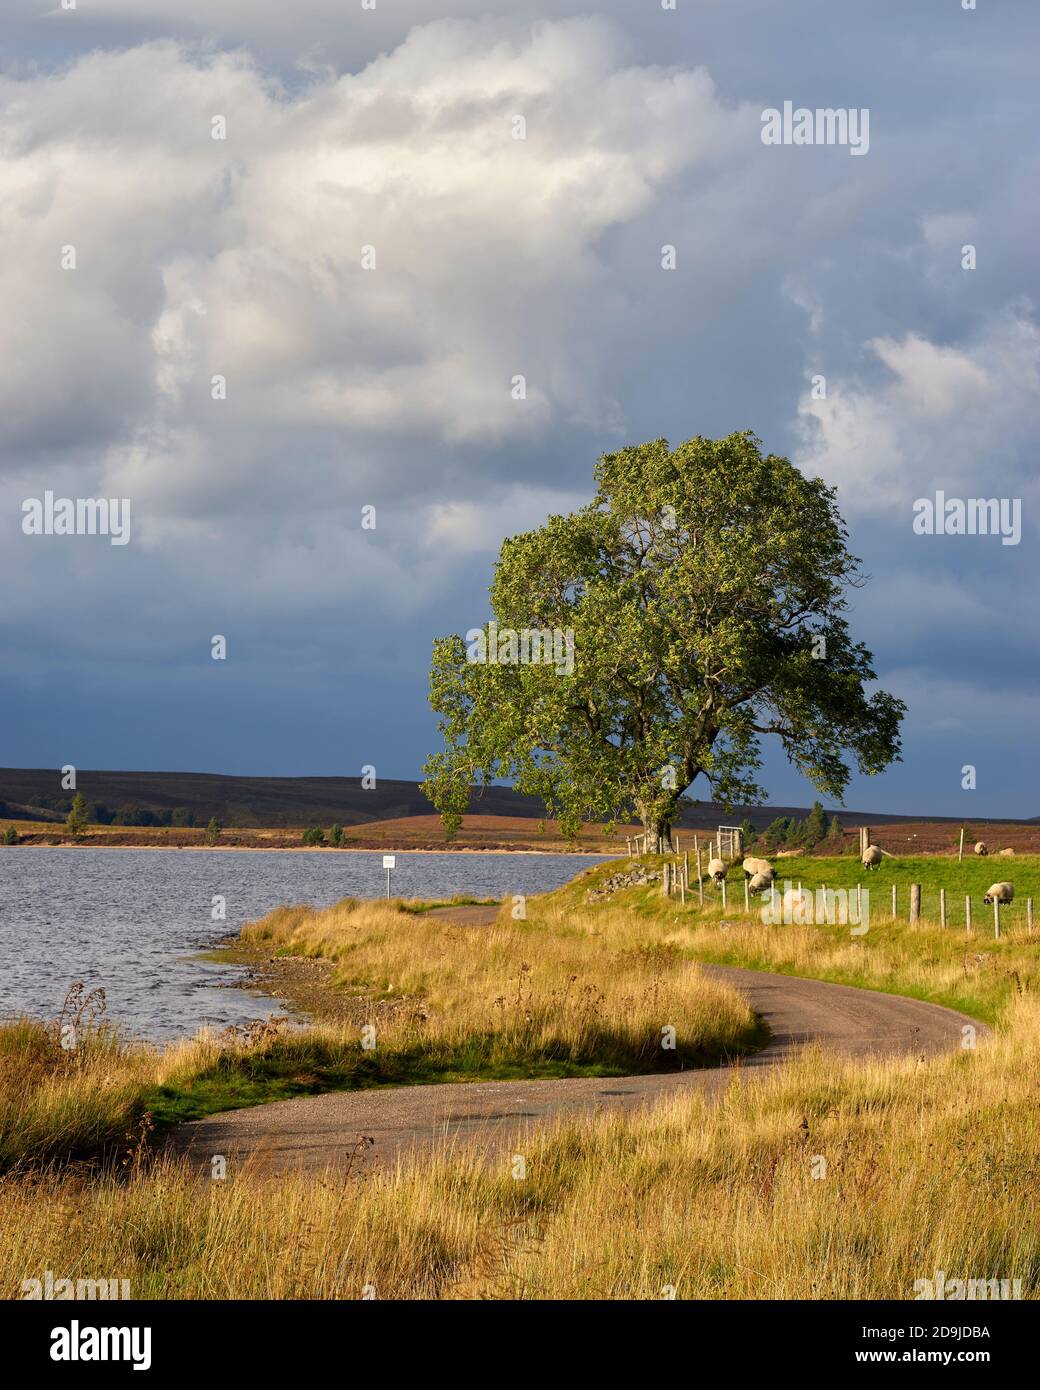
{"type": "Point", "coordinates": [389, 861]}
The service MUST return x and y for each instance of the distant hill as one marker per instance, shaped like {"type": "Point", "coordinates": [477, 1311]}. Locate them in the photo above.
{"type": "Point", "coordinates": [192, 798]}
{"type": "Point", "coordinates": [146, 798]}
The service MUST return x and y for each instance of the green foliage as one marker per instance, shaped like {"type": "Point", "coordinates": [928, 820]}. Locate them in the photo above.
{"type": "Point", "coordinates": [78, 818]}
{"type": "Point", "coordinates": [776, 832]}
{"type": "Point", "coordinates": [336, 836]}
{"type": "Point", "coordinates": [815, 826]}
{"type": "Point", "coordinates": [748, 831]}
{"type": "Point", "coordinates": [697, 585]}
{"type": "Point", "coordinates": [834, 829]}
{"type": "Point", "coordinates": [213, 830]}
{"type": "Point", "coordinates": [10, 836]}
{"type": "Point", "coordinates": [314, 836]}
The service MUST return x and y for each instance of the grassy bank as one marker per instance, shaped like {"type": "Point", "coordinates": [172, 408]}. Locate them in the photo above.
{"type": "Point", "coordinates": [843, 1181]}
{"type": "Point", "coordinates": [426, 1001]}
{"type": "Point", "coordinates": [824, 1179]}
{"type": "Point", "coordinates": [972, 972]}
{"type": "Point", "coordinates": [515, 994]}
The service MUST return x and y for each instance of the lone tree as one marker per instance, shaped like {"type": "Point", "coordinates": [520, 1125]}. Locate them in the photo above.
{"type": "Point", "coordinates": [78, 818]}
{"type": "Point", "coordinates": [705, 589]}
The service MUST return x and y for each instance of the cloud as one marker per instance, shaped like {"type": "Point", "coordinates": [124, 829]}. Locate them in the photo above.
{"type": "Point", "coordinates": [495, 258]}
{"type": "Point", "coordinates": [958, 418]}
{"type": "Point", "coordinates": [373, 255]}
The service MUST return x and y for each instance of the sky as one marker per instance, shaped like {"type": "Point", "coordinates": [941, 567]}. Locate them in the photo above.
{"type": "Point", "coordinates": [389, 386]}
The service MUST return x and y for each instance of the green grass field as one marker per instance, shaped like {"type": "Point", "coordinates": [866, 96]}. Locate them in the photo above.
{"type": "Point", "coordinates": [973, 972]}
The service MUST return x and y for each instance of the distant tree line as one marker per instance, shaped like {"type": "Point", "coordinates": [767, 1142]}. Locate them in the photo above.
{"type": "Point", "coordinates": [129, 813]}
{"type": "Point", "coordinates": [788, 832]}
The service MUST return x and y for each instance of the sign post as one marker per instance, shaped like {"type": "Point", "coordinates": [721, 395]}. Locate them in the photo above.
{"type": "Point", "coordinates": [389, 863]}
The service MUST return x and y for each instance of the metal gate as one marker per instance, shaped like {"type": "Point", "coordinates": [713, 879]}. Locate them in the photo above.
{"type": "Point", "coordinates": [729, 841]}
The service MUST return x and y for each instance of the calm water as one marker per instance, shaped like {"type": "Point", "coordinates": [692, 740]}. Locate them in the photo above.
{"type": "Point", "coordinates": [131, 920]}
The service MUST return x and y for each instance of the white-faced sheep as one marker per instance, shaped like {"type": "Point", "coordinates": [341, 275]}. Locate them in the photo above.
{"type": "Point", "coordinates": [999, 893]}
{"type": "Point", "coordinates": [758, 866]}
{"type": "Point", "coordinates": [760, 883]}
{"type": "Point", "coordinates": [872, 857]}
{"type": "Point", "coordinates": [716, 870]}
{"type": "Point", "coordinates": [981, 847]}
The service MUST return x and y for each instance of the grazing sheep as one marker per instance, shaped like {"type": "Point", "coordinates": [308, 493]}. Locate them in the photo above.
{"type": "Point", "coordinates": [871, 857]}
{"type": "Point", "coordinates": [760, 883]}
{"type": "Point", "coordinates": [757, 866]}
{"type": "Point", "coordinates": [1006, 853]}
{"type": "Point", "coordinates": [999, 893]}
{"type": "Point", "coordinates": [981, 848]}
{"type": "Point", "coordinates": [716, 869]}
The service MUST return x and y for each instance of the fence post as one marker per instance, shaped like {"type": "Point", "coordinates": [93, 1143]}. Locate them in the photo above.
{"type": "Point", "coordinates": [747, 898]}
{"type": "Point", "coordinates": [724, 895]}
{"type": "Point", "coordinates": [666, 880]}
{"type": "Point", "coordinates": [960, 852]}
{"type": "Point", "coordinates": [894, 900]}
{"type": "Point", "coordinates": [859, 902]}
{"type": "Point", "coordinates": [996, 919]}
{"type": "Point", "coordinates": [967, 913]}
{"type": "Point", "coordinates": [915, 901]}
{"type": "Point", "coordinates": [942, 907]}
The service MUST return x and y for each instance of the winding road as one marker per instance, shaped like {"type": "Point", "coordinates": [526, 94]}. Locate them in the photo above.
{"type": "Point", "coordinates": [333, 1131]}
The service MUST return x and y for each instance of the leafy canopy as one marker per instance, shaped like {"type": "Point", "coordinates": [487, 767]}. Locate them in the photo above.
{"type": "Point", "coordinates": [705, 587]}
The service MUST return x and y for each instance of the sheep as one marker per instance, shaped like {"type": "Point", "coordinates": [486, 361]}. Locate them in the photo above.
{"type": "Point", "coordinates": [1006, 853]}
{"type": "Point", "coordinates": [716, 869]}
{"type": "Point", "coordinates": [981, 848]}
{"type": "Point", "coordinates": [760, 883]}
{"type": "Point", "coordinates": [753, 866]}
{"type": "Point", "coordinates": [1001, 893]}
{"type": "Point", "coordinates": [871, 857]}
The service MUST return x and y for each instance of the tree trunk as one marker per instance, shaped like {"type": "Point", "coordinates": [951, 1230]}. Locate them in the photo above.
{"type": "Point", "coordinates": [656, 824]}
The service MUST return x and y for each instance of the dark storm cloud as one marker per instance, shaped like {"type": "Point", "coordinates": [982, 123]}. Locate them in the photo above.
{"type": "Point", "coordinates": [495, 257]}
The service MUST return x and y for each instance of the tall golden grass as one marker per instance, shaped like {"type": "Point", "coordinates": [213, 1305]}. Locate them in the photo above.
{"type": "Point", "coordinates": [518, 989]}
{"type": "Point", "coordinates": [826, 1179]}
{"type": "Point", "coordinates": [446, 1000]}
{"type": "Point", "coordinates": [974, 972]}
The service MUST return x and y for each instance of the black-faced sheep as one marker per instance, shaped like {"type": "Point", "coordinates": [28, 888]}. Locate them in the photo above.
{"type": "Point", "coordinates": [760, 883]}
{"type": "Point", "coordinates": [716, 870]}
{"type": "Point", "coordinates": [1001, 893]}
{"type": "Point", "coordinates": [981, 847]}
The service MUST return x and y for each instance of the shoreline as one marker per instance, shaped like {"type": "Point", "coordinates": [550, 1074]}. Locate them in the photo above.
{"type": "Point", "coordinates": [343, 849]}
